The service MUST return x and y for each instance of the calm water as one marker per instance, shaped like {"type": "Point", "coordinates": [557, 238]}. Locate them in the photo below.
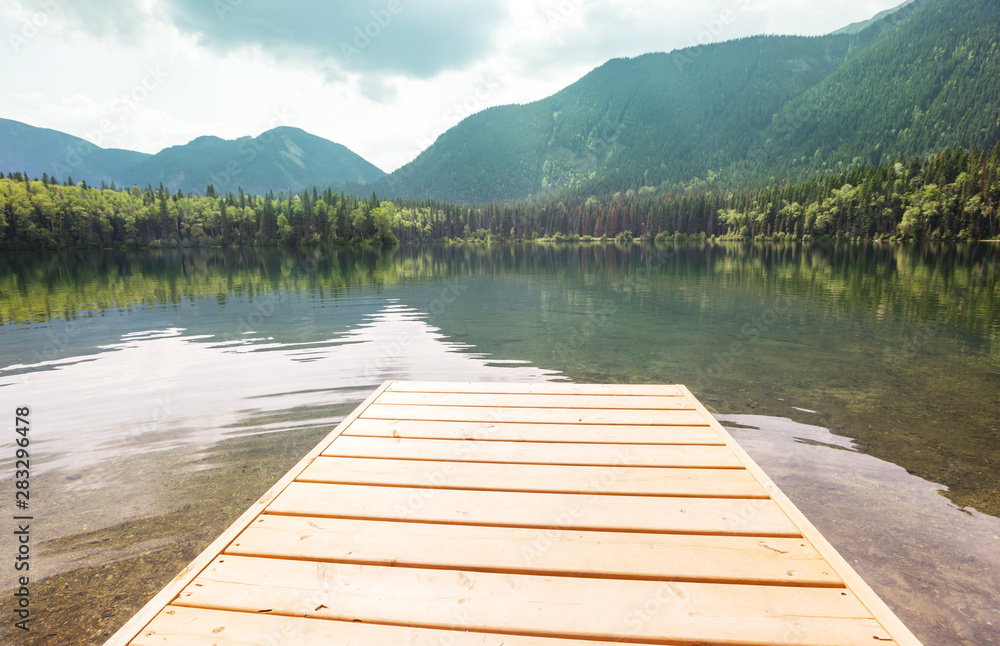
{"type": "Point", "coordinates": [170, 389]}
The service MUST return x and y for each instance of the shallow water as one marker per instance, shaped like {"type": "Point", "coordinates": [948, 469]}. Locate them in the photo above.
{"type": "Point", "coordinates": [170, 389]}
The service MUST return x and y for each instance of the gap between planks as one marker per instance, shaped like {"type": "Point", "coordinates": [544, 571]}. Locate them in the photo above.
{"type": "Point", "coordinates": [539, 453]}
{"type": "Point", "coordinates": [529, 432]}
{"type": "Point", "coordinates": [180, 626]}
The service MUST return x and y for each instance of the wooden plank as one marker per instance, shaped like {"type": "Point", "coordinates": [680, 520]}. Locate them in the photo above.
{"type": "Point", "coordinates": [538, 388]}
{"type": "Point", "coordinates": [613, 455]}
{"type": "Point", "coordinates": [125, 634]}
{"type": "Point", "coordinates": [599, 609]}
{"type": "Point", "coordinates": [180, 626]}
{"type": "Point", "coordinates": [482, 400]}
{"type": "Point", "coordinates": [723, 516]}
{"type": "Point", "coordinates": [900, 633]}
{"type": "Point", "coordinates": [705, 483]}
{"type": "Point", "coordinates": [566, 433]}
{"type": "Point", "coordinates": [738, 559]}
{"type": "Point", "coordinates": [535, 415]}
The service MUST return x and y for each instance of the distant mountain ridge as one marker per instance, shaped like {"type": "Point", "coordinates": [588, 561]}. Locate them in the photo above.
{"type": "Point", "coordinates": [42, 150]}
{"type": "Point", "coordinates": [284, 158]}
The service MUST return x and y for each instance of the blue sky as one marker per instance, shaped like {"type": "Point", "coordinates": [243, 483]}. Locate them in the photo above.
{"type": "Point", "coordinates": [383, 77]}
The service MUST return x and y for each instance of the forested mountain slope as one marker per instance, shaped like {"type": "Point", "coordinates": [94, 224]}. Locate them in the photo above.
{"type": "Point", "coordinates": [930, 83]}
{"type": "Point", "coordinates": [649, 118]}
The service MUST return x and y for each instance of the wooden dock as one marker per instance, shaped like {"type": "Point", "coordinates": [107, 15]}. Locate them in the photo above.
{"type": "Point", "coordinates": [461, 514]}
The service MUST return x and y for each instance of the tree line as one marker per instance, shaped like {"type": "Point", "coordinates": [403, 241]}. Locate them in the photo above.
{"type": "Point", "coordinates": [953, 195]}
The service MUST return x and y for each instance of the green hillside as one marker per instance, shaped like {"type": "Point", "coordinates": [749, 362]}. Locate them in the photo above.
{"type": "Point", "coordinates": [628, 121]}
{"type": "Point", "coordinates": [931, 83]}
{"type": "Point", "coordinates": [280, 159]}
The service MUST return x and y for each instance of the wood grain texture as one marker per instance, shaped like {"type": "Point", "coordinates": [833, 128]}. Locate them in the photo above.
{"type": "Point", "coordinates": [598, 609]}
{"type": "Point", "coordinates": [543, 478]}
{"type": "Point", "coordinates": [180, 626]}
{"type": "Point", "coordinates": [735, 559]}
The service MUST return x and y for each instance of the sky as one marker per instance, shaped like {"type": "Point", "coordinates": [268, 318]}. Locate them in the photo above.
{"type": "Point", "coordinates": [383, 77]}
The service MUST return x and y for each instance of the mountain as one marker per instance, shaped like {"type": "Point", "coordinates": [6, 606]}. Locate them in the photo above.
{"type": "Point", "coordinates": [924, 76]}
{"type": "Point", "coordinates": [40, 150]}
{"type": "Point", "coordinates": [856, 27]}
{"type": "Point", "coordinates": [930, 82]}
{"type": "Point", "coordinates": [280, 159]}
{"type": "Point", "coordinates": [673, 114]}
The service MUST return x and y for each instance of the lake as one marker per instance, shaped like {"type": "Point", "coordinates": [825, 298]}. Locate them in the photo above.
{"type": "Point", "coordinates": [169, 389]}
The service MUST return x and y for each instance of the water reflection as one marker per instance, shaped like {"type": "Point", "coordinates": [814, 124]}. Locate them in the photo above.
{"type": "Point", "coordinates": [181, 394]}
{"type": "Point", "coordinates": [890, 282]}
